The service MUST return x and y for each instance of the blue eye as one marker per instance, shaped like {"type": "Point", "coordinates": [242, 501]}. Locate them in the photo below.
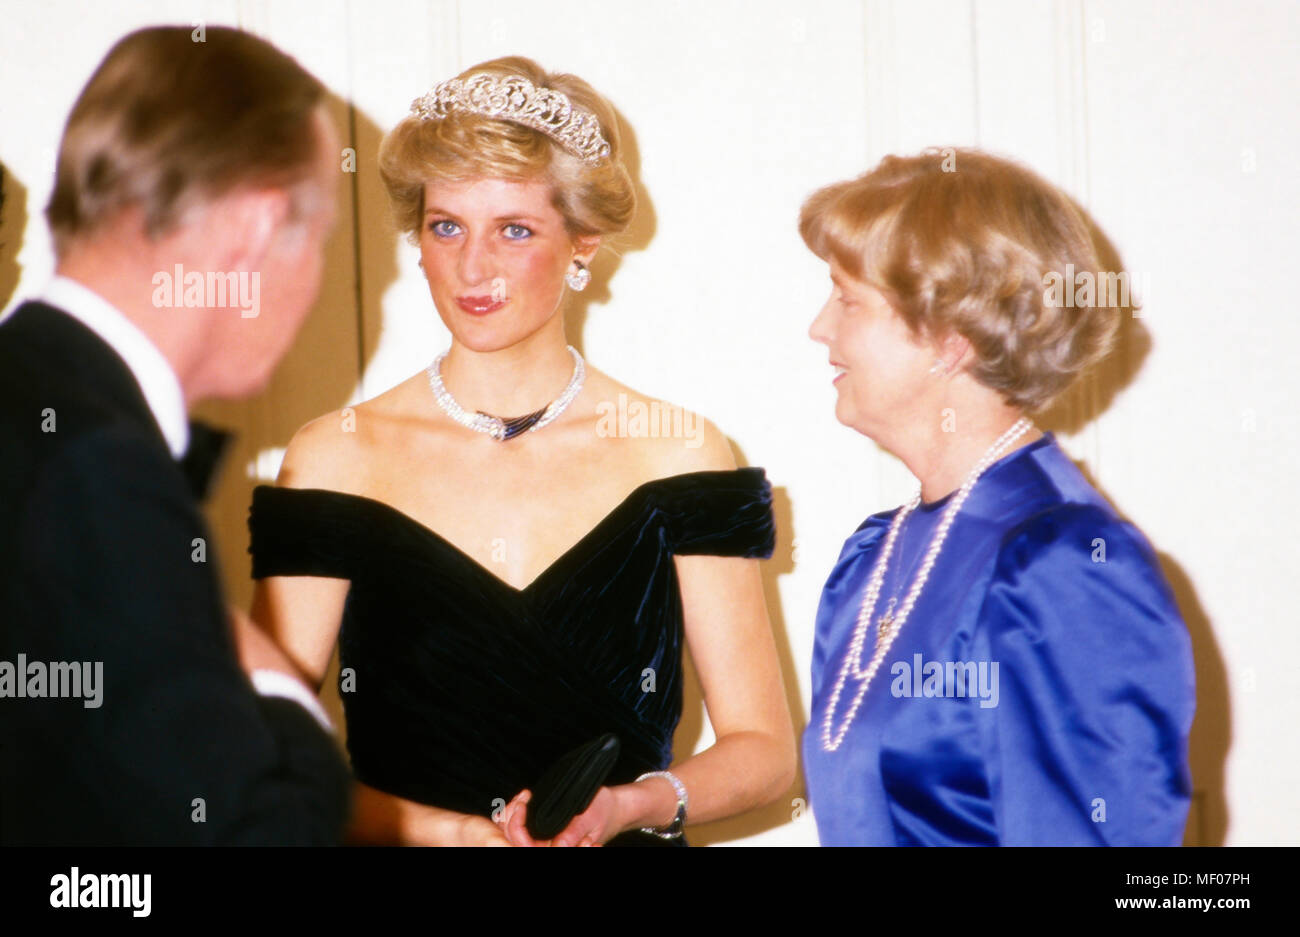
{"type": "Point", "coordinates": [516, 232]}
{"type": "Point", "coordinates": [444, 228]}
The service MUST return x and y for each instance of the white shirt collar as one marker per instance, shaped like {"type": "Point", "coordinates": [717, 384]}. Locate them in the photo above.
{"type": "Point", "coordinates": [158, 382]}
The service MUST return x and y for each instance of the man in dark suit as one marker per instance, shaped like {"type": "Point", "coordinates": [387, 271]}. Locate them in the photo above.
{"type": "Point", "coordinates": [193, 195]}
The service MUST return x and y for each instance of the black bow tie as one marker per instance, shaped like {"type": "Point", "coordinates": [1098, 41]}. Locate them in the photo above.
{"type": "Point", "coordinates": [201, 458]}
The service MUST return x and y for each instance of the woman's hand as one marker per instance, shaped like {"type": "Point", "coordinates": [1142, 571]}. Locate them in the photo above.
{"type": "Point", "coordinates": [380, 818]}
{"type": "Point", "coordinates": [512, 818]}
{"type": "Point", "coordinates": [479, 831]}
{"type": "Point", "coordinates": [595, 826]}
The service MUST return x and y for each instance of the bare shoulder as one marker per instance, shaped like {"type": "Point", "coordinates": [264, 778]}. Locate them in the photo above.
{"type": "Point", "coordinates": [664, 438]}
{"type": "Point", "coordinates": [335, 451]}
{"type": "Point", "coordinates": [324, 453]}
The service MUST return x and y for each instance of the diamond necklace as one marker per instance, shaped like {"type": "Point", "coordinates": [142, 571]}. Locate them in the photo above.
{"type": "Point", "coordinates": [889, 624]}
{"type": "Point", "coordinates": [500, 428]}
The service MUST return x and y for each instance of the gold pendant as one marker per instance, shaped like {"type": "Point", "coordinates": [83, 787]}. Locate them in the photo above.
{"type": "Point", "coordinates": [885, 623]}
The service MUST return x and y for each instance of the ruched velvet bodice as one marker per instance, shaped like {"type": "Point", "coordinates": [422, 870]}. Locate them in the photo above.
{"type": "Point", "coordinates": [463, 688]}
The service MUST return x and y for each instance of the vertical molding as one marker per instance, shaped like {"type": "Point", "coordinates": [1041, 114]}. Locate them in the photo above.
{"type": "Point", "coordinates": [881, 78]}
{"type": "Point", "coordinates": [976, 103]}
{"type": "Point", "coordinates": [354, 193]}
{"type": "Point", "coordinates": [358, 255]}
{"type": "Point", "coordinates": [1074, 171]}
{"type": "Point", "coordinates": [1072, 98]}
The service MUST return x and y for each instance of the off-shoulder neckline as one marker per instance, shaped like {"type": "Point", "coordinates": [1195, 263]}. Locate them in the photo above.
{"type": "Point", "coordinates": [640, 491]}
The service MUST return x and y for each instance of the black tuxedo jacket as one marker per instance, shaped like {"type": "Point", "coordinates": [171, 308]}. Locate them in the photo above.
{"type": "Point", "coordinates": [98, 533]}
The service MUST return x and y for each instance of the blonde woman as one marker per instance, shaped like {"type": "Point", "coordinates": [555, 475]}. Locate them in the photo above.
{"type": "Point", "coordinates": [1000, 661]}
{"type": "Point", "coordinates": [505, 579]}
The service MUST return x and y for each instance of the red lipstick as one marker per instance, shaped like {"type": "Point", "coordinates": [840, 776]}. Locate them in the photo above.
{"type": "Point", "coordinates": [479, 305]}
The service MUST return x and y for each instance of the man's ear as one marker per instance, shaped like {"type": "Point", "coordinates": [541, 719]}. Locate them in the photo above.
{"type": "Point", "coordinates": [246, 224]}
{"type": "Point", "coordinates": [585, 247]}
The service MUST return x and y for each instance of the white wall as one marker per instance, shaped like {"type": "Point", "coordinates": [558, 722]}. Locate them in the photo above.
{"type": "Point", "coordinates": [1171, 122]}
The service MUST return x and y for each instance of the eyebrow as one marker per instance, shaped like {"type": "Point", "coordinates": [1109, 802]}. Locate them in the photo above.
{"type": "Point", "coordinates": [520, 216]}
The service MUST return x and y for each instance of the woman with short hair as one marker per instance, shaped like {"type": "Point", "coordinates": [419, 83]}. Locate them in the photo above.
{"type": "Point", "coordinates": [1000, 661]}
{"type": "Point", "coordinates": [507, 579]}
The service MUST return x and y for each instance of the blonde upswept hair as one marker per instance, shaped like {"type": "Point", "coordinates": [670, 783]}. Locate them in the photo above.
{"type": "Point", "coordinates": [594, 200]}
{"type": "Point", "coordinates": [964, 242]}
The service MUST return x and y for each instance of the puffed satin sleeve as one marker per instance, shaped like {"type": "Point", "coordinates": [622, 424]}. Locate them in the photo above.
{"type": "Point", "coordinates": [301, 532]}
{"type": "Point", "coordinates": [1096, 687]}
{"type": "Point", "coordinates": [724, 513]}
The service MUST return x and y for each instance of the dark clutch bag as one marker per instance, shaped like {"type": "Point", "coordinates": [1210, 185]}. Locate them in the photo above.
{"type": "Point", "coordinates": [569, 786]}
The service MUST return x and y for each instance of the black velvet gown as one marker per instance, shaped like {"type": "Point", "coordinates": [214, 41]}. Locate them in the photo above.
{"type": "Point", "coordinates": [465, 689]}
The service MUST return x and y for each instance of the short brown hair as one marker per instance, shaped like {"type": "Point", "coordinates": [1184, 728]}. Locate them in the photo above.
{"type": "Point", "coordinates": [963, 241]}
{"type": "Point", "coordinates": [594, 200]}
{"type": "Point", "coordinates": [171, 119]}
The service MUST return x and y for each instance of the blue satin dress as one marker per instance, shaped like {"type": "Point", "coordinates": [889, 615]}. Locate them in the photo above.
{"type": "Point", "coordinates": [1040, 693]}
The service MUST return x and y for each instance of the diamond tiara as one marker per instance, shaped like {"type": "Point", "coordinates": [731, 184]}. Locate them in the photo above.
{"type": "Point", "coordinates": [517, 99]}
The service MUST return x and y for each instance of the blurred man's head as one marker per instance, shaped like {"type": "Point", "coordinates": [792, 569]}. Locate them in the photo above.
{"type": "Point", "coordinates": [194, 190]}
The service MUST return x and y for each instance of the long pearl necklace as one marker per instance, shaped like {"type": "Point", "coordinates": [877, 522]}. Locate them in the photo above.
{"type": "Point", "coordinates": [497, 427]}
{"type": "Point", "coordinates": [889, 624]}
